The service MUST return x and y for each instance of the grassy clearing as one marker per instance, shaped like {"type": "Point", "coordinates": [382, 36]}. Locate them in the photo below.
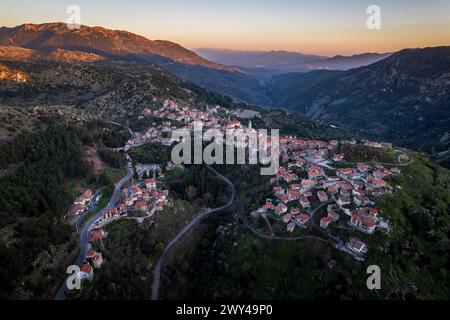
{"type": "Point", "coordinates": [122, 227]}
{"type": "Point", "coordinates": [278, 270]}
{"type": "Point", "coordinates": [360, 153]}
{"type": "Point", "coordinates": [113, 174]}
{"type": "Point", "coordinates": [171, 220]}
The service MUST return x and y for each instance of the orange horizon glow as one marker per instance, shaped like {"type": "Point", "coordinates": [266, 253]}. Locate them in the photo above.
{"type": "Point", "coordinates": [324, 27]}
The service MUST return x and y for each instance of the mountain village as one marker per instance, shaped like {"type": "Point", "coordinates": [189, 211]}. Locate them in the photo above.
{"type": "Point", "coordinates": [313, 177]}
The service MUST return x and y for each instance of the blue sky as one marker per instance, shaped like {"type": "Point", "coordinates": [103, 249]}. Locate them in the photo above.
{"type": "Point", "coordinates": [320, 26]}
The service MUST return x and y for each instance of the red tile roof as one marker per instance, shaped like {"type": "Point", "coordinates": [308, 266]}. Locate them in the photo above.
{"type": "Point", "coordinates": [326, 220]}
{"type": "Point", "coordinates": [91, 253]}
{"type": "Point", "coordinates": [86, 268]}
{"type": "Point", "coordinates": [141, 204]}
{"type": "Point", "coordinates": [303, 218]}
{"type": "Point", "coordinates": [95, 235]}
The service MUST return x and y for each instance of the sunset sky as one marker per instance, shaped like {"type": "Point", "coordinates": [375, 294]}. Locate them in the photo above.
{"type": "Point", "coordinates": [320, 26]}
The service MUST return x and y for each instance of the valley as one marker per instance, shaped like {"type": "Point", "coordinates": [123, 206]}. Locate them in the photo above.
{"type": "Point", "coordinates": [88, 177]}
{"type": "Point", "coordinates": [399, 97]}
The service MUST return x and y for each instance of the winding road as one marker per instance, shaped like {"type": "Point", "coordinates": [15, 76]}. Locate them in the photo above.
{"type": "Point", "coordinates": [115, 198]}
{"type": "Point", "coordinates": [274, 237]}
{"type": "Point", "coordinates": [132, 133]}
{"type": "Point", "coordinates": [197, 218]}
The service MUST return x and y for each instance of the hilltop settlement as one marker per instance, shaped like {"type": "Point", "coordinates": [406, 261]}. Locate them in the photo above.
{"type": "Point", "coordinates": [314, 187]}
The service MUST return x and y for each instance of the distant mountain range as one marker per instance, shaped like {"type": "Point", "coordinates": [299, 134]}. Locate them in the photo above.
{"type": "Point", "coordinates": [404, 98]}
{"type": "Point", "coordinates": [348, 62]}
{"type": "Point", "coordinates": [276, 62]}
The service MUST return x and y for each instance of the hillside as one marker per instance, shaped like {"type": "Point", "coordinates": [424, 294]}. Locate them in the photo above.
{"type": "Point", "coordinates": [43, 162]}
{"type": "Point", "coordinates": [18, 120]}
{"type": "Point", "coordinates": [233, 262]}
{"type": "Point", "coordinates": [278, 62]}
{"type": "Point", "coordinates": [348, 62]}
{"type": "Point", "coordinates": [112, 90]}
{"type": "Point", "coordinates": [403, 98]}
{"type": "Point", "coordinates": [54, 41]}
{"type": "Point", "coordinates": [112, 44]}
{"type": "Point", "coordinates": [22, 54]}
{"type": "Point", "coordinates": [286, 89]}
{"type": "Point", "coordinates": [50, 121]}
{"type": "Point", "coordinates": [117, 91]}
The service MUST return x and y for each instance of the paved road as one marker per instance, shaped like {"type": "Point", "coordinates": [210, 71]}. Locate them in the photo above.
{"type": "Point", "coordinates": [157, 275]}
{"type": "Point", "coordinates": [274, 237]}
{"type": "Point", "coordinates": [264, 216]}
{"type": "Point", "coordinates": [132, 133]}
{"type": "Point", "coordinates": [92, 207]}
{"type": "Point", "coordinates": [115, 198]}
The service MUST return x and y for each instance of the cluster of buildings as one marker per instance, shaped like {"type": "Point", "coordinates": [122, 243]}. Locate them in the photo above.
{"type": "Point", "coordinates": [93, 258]}
{"type": "Point", "coordinates": [145, 197]}
{"type": "Point", "coordinates": [312, 175]}
{"type": "Point", "coordinates": [81, 203]}
{"type": "Point", "coordinates": [172, 110]}
{"type": "Point", "coordinates": [176, 117]}
{"type": "Point", "coordinates": [308, 181]}
{"type": "Point", "coordinates": [377, 145]}
{"type": "Point", "coordinates": [179, 117]}
{"type": "Point", "coordinates": [136, 141]}
{"type": "Point", "coordinates": [154, 170]}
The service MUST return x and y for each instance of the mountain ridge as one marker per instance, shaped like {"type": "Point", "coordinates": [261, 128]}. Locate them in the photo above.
{"type": "Point", "coordinates": [283, 61]}
{"type": "Point", "coordinates": [129, 47]}
{"type": "Point", "coordinates": [403, 98]}
{"type": "Point", "coordinates": [23, 54]}
{"type": "Point", "coordinates": [98, 40]}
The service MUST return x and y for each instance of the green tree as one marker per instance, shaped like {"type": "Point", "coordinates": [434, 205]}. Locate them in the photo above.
{"type": "Point", "coordinates": [191, 192]}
